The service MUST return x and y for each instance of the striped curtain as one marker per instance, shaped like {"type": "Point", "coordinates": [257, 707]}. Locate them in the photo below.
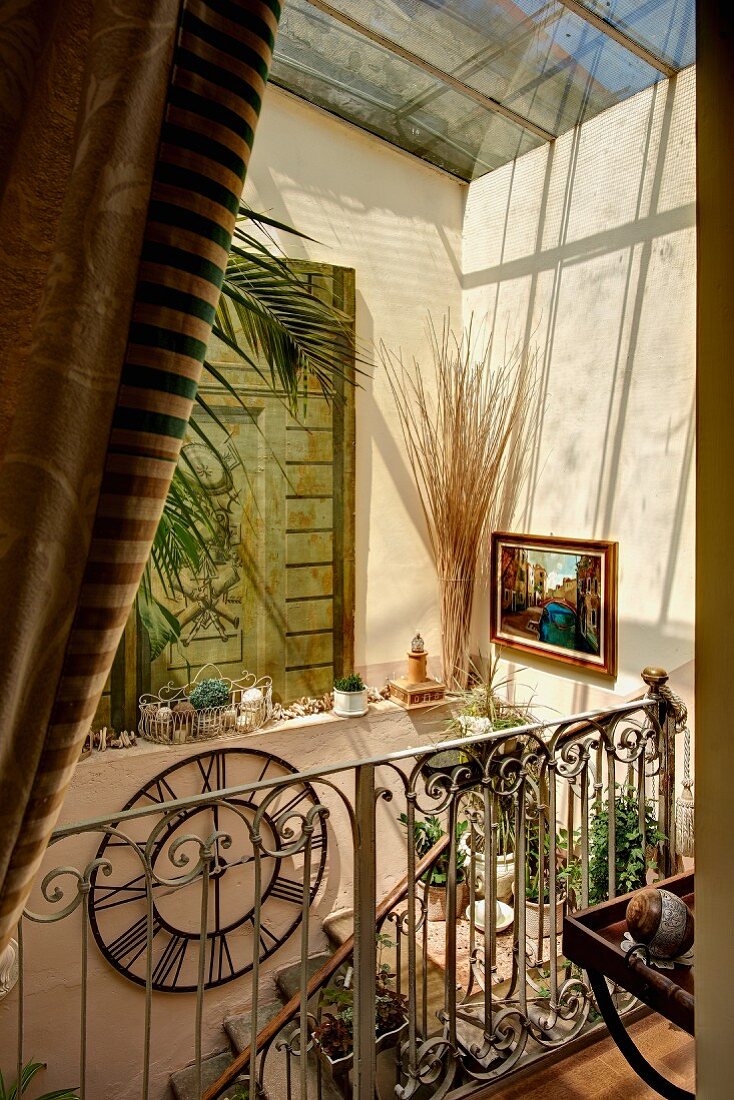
{"type": "Point", "coordinates": [128, 125]}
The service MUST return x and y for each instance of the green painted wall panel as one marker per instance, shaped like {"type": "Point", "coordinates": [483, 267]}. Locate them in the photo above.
{"type": "Point", "coordinates": [277, 598]}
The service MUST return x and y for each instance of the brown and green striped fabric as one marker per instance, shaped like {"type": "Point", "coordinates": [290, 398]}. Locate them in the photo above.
{"type": "Point", "coordinates": [217, 78]}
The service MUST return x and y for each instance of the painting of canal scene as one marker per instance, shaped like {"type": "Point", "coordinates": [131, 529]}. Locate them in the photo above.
{"type": "Point", "coordinates": [556, 597]}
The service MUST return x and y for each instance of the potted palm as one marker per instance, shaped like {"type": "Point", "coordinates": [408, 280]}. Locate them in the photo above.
{"type": "Point", "coordinates": [425, 835]}
{"type": "Point", "coordinates": [350, 696]}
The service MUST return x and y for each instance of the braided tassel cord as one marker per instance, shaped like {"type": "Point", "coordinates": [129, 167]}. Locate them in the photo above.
{"type": "Point", "coordinates": [684, 806]}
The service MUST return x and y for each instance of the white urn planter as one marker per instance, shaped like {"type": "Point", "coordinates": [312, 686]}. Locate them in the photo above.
{"type": "Point", "coordinates": [505, 876]}
{"type": "Point", "coordinates": [350, 704]}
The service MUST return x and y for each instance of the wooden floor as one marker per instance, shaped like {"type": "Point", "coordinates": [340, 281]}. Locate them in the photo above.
{"type": "Point", "coordinates": [599, 1072]}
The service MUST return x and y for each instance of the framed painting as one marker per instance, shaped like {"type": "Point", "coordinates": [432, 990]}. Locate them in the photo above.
{"type": "Point", "coordinates": [557, 598]}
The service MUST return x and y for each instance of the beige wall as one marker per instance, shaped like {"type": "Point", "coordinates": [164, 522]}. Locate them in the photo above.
{"type": "Point", "coordinates": [398, 223]}
{"type": "Point", "coordinates": [587, 250]}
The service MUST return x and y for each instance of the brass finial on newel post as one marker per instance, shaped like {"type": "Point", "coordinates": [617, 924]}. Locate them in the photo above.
{"type": "Point", "coordinates": [657, 681]}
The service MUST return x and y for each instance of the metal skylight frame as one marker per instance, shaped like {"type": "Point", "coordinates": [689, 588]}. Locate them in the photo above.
{"type": "Point", "coordinates": [599, 23]}
{"type": "Point", "coordinates": [388, 44]}
{"type": "Point", "coordinates": [385, 38]}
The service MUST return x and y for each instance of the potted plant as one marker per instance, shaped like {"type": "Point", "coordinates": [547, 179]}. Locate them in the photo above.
{"type": "Point", "coordinates": [537, 886]}
{"type": "Point", "coordinates": [210, 699]}
{"type": "Point", "coordinates": [425, 835]}
{"type": "Point", "coordinates": [483, 710]}
{"type": "Point", "coordinates": [633, 859]}
{"type": "Point", "coordinates": [334, 1035]}
{"type": "Point", "coordinates": [475, 842]}
{"type": "Point", "coordinates": [242, 1091]}
{"type": "Point", "coordinates": [350, 696]}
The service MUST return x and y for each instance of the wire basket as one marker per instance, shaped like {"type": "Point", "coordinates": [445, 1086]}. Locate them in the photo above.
{"type": "Point", "coordinates": [170, 718]}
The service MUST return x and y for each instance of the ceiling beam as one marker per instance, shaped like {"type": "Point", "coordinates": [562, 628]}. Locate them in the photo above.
{"type": "Point", "coordinates": [601, 24]}
{"type": "Point", "coordinates": [446, 78]}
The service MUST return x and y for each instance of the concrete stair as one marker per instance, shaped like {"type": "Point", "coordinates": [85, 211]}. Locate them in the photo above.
{"type": "Point", "coordinates": [236, 1036]}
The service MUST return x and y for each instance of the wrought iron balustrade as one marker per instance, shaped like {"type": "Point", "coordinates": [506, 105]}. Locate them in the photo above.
{"type": "Point", "coordinates": [545, 786]}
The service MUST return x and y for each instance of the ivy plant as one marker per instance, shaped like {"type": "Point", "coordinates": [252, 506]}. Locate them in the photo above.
{"type": "Point", "coordinates": [631, 862]}
{"type": "Point", "coordinates": [425, 835]}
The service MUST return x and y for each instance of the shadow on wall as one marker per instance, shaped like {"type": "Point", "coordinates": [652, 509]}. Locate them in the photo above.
{"type": "Point", "coordinates": [594, 264]}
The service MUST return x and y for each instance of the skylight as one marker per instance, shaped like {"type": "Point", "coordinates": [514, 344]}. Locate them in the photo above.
{"type": "Point", "coordinates": [469, 85]}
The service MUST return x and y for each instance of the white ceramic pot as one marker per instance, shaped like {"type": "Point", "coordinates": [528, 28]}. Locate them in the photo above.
{"type": "Point", "coordinates": [350, 704]}
{"type": "Point", "coordinates": [505, 876]}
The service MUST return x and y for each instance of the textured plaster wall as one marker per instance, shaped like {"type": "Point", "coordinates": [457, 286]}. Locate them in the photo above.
{"type": "Point", "coordinates": [587, 251]}
{"type": "Point", "coordinates": [398, 223]}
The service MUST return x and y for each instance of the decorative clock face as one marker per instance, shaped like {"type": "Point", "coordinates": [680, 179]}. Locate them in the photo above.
{"type": "Point", "coordinates": [118, 903]}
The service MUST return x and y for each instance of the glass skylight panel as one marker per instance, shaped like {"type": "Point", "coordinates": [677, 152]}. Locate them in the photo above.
{"type": "Point", "coordinates": [341, 71]}
{"type": "Point", "coordinates": [533, 56]}
{"type": "Point", "coordinates": [667, 28]}
{"type": "Point", "coordinates": [549, 67]}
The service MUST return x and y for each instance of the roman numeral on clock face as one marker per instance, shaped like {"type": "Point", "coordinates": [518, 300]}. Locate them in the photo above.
{"type": "Point", "coordinates": [288, 889]}
{"type": "Point", "coordinates": [221, 965]}
{"type": "Point", "coordinates": [167, 970]}
{"type": "Point", "coordinates": [130, 945]}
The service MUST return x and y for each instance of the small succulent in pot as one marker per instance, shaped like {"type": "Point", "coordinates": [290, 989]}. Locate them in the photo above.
{"type": "Point", "coordinates": [209, 694]}
{"type": "Point", "coordinates": [350, 696]}
{"type": "Point", "coordinates": [353, 682]}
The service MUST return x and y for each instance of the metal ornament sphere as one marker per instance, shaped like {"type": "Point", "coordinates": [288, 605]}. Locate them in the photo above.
{"type": "Point", "coordinates": [661, 920]}
{"type": "Point", "coordinates": [418, 645]}
{"type": "Point", "coordinates": [163, 860]}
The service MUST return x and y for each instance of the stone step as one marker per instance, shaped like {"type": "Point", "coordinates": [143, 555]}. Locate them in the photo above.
{"type": "Point", "coordinates": [238, 1028]}
{"type": "Point", "coordinates": [339, 926]}
{"type": "Point", "coordinates": [288, 980]}
{"type": "Point", "coordinates": [183, 1082]}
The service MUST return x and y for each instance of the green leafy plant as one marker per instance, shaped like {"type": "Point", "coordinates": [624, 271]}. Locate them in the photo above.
{"type": "Point", "coordinates": [569, 873]}
{"type": "Point", "coordinates": [537, 870]}
{"type": "Point", "coordinates": [210, 693]}
{"type": "Point", "coordinates": [241, 1092]}
{"type": "Point", "coordinates": [631, 860]}
{"type": "Point", "coordinates": [425, 835]}
{"type": "Point", "coordinates": [353, 682]}
{"type": "Point", "coordinates": [335, 1031]}
{"type": "Point", "coordinates": [29, 1071]}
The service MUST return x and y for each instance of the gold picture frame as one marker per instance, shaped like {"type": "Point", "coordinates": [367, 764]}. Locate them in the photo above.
{"type": "Point", "coordinates": [556, 597]}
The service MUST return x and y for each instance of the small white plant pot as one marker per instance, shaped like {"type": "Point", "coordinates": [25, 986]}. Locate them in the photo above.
{"type": "Point", "coordinates": [350, 704]}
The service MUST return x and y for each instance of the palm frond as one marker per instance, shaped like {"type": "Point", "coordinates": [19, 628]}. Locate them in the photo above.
{"type": "Point", "coordinates": [290, 337]}
{"type": "Point", "coordinates": [273, 323]}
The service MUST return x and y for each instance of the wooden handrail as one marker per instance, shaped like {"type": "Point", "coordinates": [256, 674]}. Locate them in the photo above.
{"type": "Point", "coordinates": [321, 977]}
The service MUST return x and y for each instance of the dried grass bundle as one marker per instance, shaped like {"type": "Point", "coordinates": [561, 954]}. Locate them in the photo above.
{"type": "Point", "coordinates": [467, 445]}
